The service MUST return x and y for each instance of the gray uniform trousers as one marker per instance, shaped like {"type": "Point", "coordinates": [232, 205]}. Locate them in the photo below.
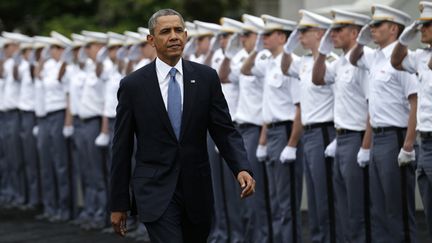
{"type": "Point", "coordinates": [96, 193]}
{"type": "Point", "coordinates": [29, 150]}
{"type": "Point", "coordinates": [282, 185]}
{"type": "Point", "coordinates": [16, 167]}
{"type": "Point", "coordinates": [4, 194]}
{"type": "Point", "coordinates": [230, 222]}
{"type": "Point", "coordinates": [386, 191]}
{"type": "Point", "coordinates": [349, 187]}
{"type": "Point", "coordinates": [54, 165]}
{"type": "Point", "coordinates": [78, 182]}
{"type": "Point", "coordinates": [258, 204]}
{"type": "Point", "coordinates": [424, 178]}
{"type": "Point", "coordinates": [317, 180]}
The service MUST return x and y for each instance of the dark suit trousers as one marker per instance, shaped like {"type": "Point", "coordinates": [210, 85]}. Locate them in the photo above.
{"type": "Point", "coordinates": [174, 226]}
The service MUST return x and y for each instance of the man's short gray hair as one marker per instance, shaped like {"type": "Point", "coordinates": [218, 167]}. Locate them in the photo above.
{"type": "Point", "coordinates": [163, 12]}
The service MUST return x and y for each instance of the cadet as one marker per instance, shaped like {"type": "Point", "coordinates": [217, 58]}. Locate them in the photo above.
{"type": "Point", "coordinates": [419, 62]}
{"type": "Point", "coordinates": [351, 121]}
{"type": "Point", "coordinates": [392, 110]}
{"type": "Point", "coordinates": [317, 119]}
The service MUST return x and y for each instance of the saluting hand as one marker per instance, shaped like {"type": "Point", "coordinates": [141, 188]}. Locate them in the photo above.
{"type": "Point", "coordinates": [247, 183]}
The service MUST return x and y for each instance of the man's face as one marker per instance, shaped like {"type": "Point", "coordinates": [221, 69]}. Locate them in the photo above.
{"type": "Point", "coordinates": [382, 31]}
{"type": "Point", "coordinates": [248, 40]}
{"type": "Point", "coordinates": [223, 40]}
{"type": "Point", "coordinates": [112, 52]}
{"type": "Point", "coordinates": [310, 37]}
{"type": "Point", "coordinates": [10, 49]}
{"type": "Point", "coordinates": [169, 37]}
{"type": "Point", "coordinates": [342, 36]}
{"type": "Point", "coordinates": [56, 52]}
{"type": "Point", "coordinates": [272, 40]}
{"type": "Point", "coordinates": [92, 49]}
{"type": "Point", "coordinates": [203, 44]}
{"type": "Point", "coordinates": [147, 50]}
{"type": "Point", "coordinates": [426, 33]}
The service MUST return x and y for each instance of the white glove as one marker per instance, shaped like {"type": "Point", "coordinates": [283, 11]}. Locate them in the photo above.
{"type": "Point", "coordinates": [102, 54]}
{"type": "Point", "coordinates": [190, 47]}
{"type": "Point", "coordinates": [122, 53]}
{"type": "Point", "coordinates": [288, 155]}
{"type": "Point", "coordinates": [234, 45]}
{"type": "Point", "coordinates": [292, 42]}
{"type": "Point", "coordinates": [67, 55]}
{"type": "Point", "coordinates": [261, 153]}
{"type": "Point", "coordinates": [102, 140]}
{"type": "Point", "coordinates": [326, 44]}
{"type": "Point", "coordinates": [134, 53]}
{"type": "Point", "coordinates": [364, 36]}
{"type": "Point", "coordinates": [363, 157]}
{"type": "Point", "coordinates": [82, 55]}
{"type": "Point", "coordinates": [17, 58]}
{"type": "Point", "coordinates": [259, 43]}
{"type": "Point", "coordinates": [330, 151]}
{"type": "Point", "coordinates": [405, 157]}
{"type": "Point", "coordinates": [35, 131]}
{"type": "Point", "coordinates": [214, 43]}
{"type": "Point", "coordinates": [45, 54]}
{"type": "Point", "coordinates": [68, 131]}
{"type": "Point", "coordinates": [409, 33]}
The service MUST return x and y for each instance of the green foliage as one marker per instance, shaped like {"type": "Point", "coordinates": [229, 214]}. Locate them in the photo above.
{"type": "Point", "coordinates": [39, 17]}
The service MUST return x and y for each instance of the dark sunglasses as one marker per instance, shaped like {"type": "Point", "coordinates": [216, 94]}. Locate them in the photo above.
{"type": "Point", "coordinates": [378, 24]}
{"type": "Point", "coordinates": [427, 24]}
{"type": "Point", "coordinates": [225, 35]}
{"type": "Point", "coordinates": [304, 30]}
{"type": "Point", "coordinates": [246, 34]}
{"type": "Point", "coordinates": [267, 34]}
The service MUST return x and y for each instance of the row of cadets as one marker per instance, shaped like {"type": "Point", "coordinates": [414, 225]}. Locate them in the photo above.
{"type": "Point", "coordinates": [420, 62]}
{"type": "Point", "coordinates": [392, 110]}
{"type": "Point", "coordinates": [317, 120]}
{"type": "Point", "coordinates": [353, 133]}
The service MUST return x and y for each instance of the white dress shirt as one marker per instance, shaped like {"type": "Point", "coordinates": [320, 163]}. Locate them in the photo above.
{"type": "Point", "coordinates": [11, 87]}
{"type": "Point", "coordinates": [351, 93]}
{"type": "Point", "coordinates": [198, 59]}
{"type": "Point", "coordinates": [141, 63]}
{"type": "Point", "coordinates": [92, 97]}
{"type": "Point", "coordinates": [388, 89]}
{"type": "Point", "coordinates": [162, 71]}
{"type": "Point", "coordinates": [317, 101]}
{"type": "Point", "coordinates": [249, 107]}
{"type": "Point", "coordinates": [111, 87]}
{"type": "Point", "coordinates": [75, 77]}
{"type": "Point", "coordinates": [27, 89]}
{"type": "Point", "coordinates": [40, 110]}
{"type": "Point", "coordinates": [417, 62]}
{"type": "Point", "coordinates": [54, 90]}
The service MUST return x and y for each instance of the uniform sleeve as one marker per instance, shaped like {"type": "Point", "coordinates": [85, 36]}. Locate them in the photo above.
{"type": "Point", "coordinates": [259, 69]}
{"type": "Point", "coordinates": [330, 73]}
{"type": "Point", "coordinates": [363, 77]}
{"type": "Point", "coordinates": [409, 63]}
{"type": "Point", "coordinates": [235, 67]}
{"type": "Point", "coordinates": [294, 69]}
{"type": "Point", "coordinates": [366, 59]}
{"type": "Point", "coordinates": [409, 83]}
{"type": "Point", "coordinates": [294, 89]}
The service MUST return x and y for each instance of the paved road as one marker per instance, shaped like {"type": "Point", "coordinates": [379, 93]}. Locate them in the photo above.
{"type": "Point", "coordinates": [20, 226]}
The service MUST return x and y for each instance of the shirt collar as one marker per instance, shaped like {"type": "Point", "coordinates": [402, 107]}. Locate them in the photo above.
{"type": "Point", "coordinates": [387, 51]}
{"type": "Point", "coordinates": [164, 68]}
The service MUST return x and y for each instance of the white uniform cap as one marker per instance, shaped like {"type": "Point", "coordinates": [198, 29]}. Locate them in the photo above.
{"type": "Point", "coordinates": [253, 23]}
{"type": "Point", "coordinates": [132, 38]}
{"type": "Point", "coordinates": [62, 40]}
{"type": "Point", "coordinates": [12, 37]}
{"type": "Point", "coordinates": [2, 42]}
{"type": "Point", "coordinates": [425, 11]}
{"type": "Point", "coordinates": [385, 13]}
{"type": "Point", "coordinates": [230, 25]}
{"type": "Point", "coordinates": [115, 39]}
{"type": "Point", "coordinates": [309, 19]}
{"type": "Point", "coordinates": [144, 32]}
{"type": "Point", "coordinates": [342, 17]}
{"type": "Point", "coordinates": [40, 42]}
{"type": "Point", "coordinates": [191, 29]}
{"type": "Point", "coordinates": [204, 28]}
{"type": "Point", "coordinates": [94, 37]}
{"type": "Point", "coordinates": [27, 44]}
{"type": "Point", "coordinates": [272, 23]}
{"type": "Point", "coordinates": [78, 40]}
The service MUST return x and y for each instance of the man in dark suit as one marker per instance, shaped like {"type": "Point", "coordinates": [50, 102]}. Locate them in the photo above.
{"type": "Point", "coordinates": [169, 105]}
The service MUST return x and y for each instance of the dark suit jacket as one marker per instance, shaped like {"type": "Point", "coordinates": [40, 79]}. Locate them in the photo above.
{"type": "Point", "coordinates": [161, 160]}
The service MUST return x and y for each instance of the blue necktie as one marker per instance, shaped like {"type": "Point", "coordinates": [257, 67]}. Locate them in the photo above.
{"type": "Point", "coordinates": [174, 103]}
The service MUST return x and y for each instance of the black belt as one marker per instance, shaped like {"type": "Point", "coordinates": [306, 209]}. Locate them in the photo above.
{"type": "Point", "coordinates": [341, 131]}
{"type": "Point", "coordinates": [425, 135]}
{"type": "Point", "coordinates": [55, 112]}
{"type": "Point", "coordinates": [317, 125]}
{"type": "Point", "coordinates": [386, 129]}
{"type": "Point", "coordinates": [85, 120]}
{"type": "Point", "coordinates": [11, 111]}
{"type": "Point", "coordinates": [246, 125]}
{"type": "Point", "coordinates": [280, 123]}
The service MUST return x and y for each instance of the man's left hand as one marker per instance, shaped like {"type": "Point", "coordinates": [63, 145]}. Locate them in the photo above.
{"type": "Point", "coordinates": [247, 183]}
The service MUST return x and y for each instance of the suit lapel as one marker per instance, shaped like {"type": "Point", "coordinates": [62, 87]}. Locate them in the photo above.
{"type": "Point", "coordinates": [190, 84]}
{"type": "Point", "coordinates": [154, 94]}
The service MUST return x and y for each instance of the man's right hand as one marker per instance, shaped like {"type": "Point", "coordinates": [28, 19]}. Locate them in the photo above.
{"type": "Point", "coordinates": [292, 42]}
{"type": "Point", "coordinates": [364, 36]}
{"type": "Point", "coordinates": [409, 33]}
{"type": "Point", "coordinates": [118, 222]}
